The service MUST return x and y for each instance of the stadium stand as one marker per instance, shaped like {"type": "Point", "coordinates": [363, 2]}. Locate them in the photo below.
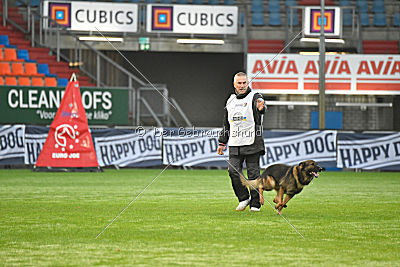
{"type": "Point", "coordinates": [274, 6]}
{"type": "Point", "coordinates": [229, 2]}
{"type": "Point", "coordinates": [257, 6]}
{"type": "Point", "coordinates": [15, 49]}
{"type": "Point", "coordinates": [258, 19]}
{"type": "Point", "coordinates": [362, 5]}
{"type": "Point", "coordinates": [380, 47]}
{"type": "Point", "coordinates": [265, 46]}
{"type": "Point", "coordinates": [396, 19]}
{"type": "Point", "coordinates": [380, 19]}
{"type": "Point", "coordinates": [378, 6]}
{"type": "Point", "coordinates": [275, 19]}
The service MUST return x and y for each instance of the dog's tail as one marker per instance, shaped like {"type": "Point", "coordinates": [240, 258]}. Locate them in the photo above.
{"type": "Point", "coordinates": [250, 184]}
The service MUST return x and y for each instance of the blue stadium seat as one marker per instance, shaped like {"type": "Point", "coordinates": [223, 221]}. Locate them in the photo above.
{"type": "Point", "coordinates": [257, 6]}
{"type": "Point", "coordinates": [151, 1]}
{"type": "Point", "coordinates": [23, 54]}
{"type": "Point", "coordinates": [364, 19]}
{"type": "Point", "coordinates": [291, 2]}
{"type": "Point", "coordinates": [396, 19]}
{"type": "Point", "coordinates": [4, 40]}
{"type": "Point", "coordinates": [347, 17]}
{"type": "Point", "coordinates": [274, 6]}
{"type": "Point", "coordinates": [134, 1]}
{"type": "Point", "coordinates": [293, 17]}
{"type": "Point", "coordinates": [62, 81]}
{"type": "Point", "coordinates": [380, 19]}
{"type": "Point", "coordinates": [32, 3]}
{"type": "Point", "coordinates": [275, 19]}
{"type": "Point", "coordinates": [344, 3]}
{"type": "Point", "coordinates": [213, 2]}
{"type": "Point", "coordinates": [257, 19]}
{"type": "Point", "coordinates": [44, 69]}
{"type": "Point", "coordinates": [166, 1]}
{"type": "Point", "coordinates": [182, 1]}
{"type": "Point", "coordinates": [362, 5]}
{"type": "Point", "coordinates": [242, 18]}
{"type": "Point", "coordinates": [378, 6]}
{"type": "Point", "coordinates": [229, 2]}
{"type": "Point", "coordinates": [197, 2]}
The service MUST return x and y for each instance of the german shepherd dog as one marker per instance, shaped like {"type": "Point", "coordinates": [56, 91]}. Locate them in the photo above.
{"type": "Point", "coordinates": [285, 180]}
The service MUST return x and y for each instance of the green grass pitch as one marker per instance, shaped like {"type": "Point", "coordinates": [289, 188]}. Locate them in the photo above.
{"type": "Point", "coordinates": [189, 218]}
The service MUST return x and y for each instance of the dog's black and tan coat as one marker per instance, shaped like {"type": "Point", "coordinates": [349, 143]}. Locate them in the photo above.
{"type": "Point", "coordinates": [285, 180]}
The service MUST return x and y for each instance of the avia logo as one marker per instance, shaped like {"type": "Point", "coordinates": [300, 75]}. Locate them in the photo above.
{"type": "Point", "coordinates": [65, 134]}
{"type": "Point", "coordinates": [276, 66]}
{"type": "Point", "coordinates": [161, 18]}
{"type": "Point", "coordinates": [379, 67]}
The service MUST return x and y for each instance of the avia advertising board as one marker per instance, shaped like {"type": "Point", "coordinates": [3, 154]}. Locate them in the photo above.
{"type": "Point", "coordinates": [344, 74]}
{"type": "Point", "coordinates": [87, 16]}
{"type": "Point", "coordinates": [193, 19]}
{"type": "Point", "coordinates": [38, 105]}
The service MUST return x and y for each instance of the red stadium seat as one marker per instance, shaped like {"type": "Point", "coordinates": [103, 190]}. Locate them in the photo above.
{"type": "Point", "coordinates": [50, 81]}
{"type": "Point", "coordinates": [31, 70]}
{"type": "Point", "coordinates": [10, 80]}
{"type": "Point", "coordinates": [24, 81]}
{"type": "Point", "coordinates": [5, 68]}
{"type": "Point", "coordinates": [17, 68]}
{"type": "Point", "coordinates": [10, 54]}
{"type": "Point", "coordinates": [37, 81]}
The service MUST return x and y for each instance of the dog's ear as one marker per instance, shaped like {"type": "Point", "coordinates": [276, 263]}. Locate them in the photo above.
{"type": "Point", "coordinates": [302, 164]}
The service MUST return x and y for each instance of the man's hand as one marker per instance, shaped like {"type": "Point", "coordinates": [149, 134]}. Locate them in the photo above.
{"type": "Point", "coordinates": [220, 150]}
{"type": "Point", "coordinates": [260, 104]}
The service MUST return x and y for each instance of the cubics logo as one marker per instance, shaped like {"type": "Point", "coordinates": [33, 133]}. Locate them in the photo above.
{"type": "Point", "coordinates": [316, 21]}
{"type": "Point", "coordinates": [61, 13]}
{"type": "Point", "coordinates": [162, 18]}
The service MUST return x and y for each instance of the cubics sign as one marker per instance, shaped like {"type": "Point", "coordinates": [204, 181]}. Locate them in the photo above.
{"type": "Point", "coordinates": [39, 105]}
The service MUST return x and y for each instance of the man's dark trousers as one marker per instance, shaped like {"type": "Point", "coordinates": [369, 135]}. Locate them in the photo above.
{"type": "Point", "coordinates": [253, 172]}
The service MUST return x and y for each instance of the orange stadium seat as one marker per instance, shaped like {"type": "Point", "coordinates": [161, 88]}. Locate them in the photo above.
{"type": "Point", "coordinates": [1, 80]}
{"type": "Point", "coordinates": [17, 68]}
{"type": "Point", "coordinates": [10, 54]}
{"type": "Point", "coordinates": [50, 81]}
{"type": "Point", "coordinates": [24, 81]}
{"type": "Point", "coordinates": [37, 81]}
{"type": "Point", "coordinates": [31, 69]}
{"type": "Point", "coordinates": [11, 80]}
{"type": "Point", "coordinates": [1, 54]}
{"type": "Point", "coordinates": [5, 68]}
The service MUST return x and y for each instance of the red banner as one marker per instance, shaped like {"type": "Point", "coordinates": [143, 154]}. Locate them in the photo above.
{"type": "Point", "coordinates": [69, 142]}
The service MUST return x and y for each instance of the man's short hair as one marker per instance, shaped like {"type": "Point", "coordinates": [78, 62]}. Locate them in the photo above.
{"type": "Point", "coordinates": [239, 74]}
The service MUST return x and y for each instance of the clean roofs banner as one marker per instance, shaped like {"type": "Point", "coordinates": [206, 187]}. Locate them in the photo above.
{"type": "Point", "coordinates": [196, 19]}
{"type": "Point", "coordinates": [87, 16]}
